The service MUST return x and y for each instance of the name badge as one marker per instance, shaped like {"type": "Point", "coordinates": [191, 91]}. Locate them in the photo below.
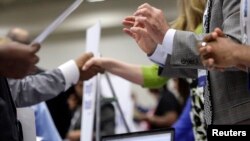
{"type": "Point", "coordinates": [202, 75]}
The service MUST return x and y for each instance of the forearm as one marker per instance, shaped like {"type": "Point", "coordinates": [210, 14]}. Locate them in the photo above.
{"type": "Point", "coordinates": [37, 88]}
{"type": "Point", "coordinates": [127, 71]}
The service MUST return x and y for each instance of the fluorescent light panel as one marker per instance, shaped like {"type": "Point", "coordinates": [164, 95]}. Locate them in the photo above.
{"type": "Point", "coordinates": [95, 0]}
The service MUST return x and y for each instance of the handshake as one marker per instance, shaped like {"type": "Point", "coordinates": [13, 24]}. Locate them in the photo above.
{"type": "Point", "coordinates": [92, 70]}
{"type": "Point", "coordinates": [18, 60]}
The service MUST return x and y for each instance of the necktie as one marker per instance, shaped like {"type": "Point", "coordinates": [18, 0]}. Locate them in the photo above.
{"type": "Point", "coordinates": [207, 95]}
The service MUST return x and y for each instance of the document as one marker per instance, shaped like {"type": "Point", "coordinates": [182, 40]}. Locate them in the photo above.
{"type": "Point", "coordinates": [40, 38]}
{"type": "Point", "coordinates": [90, 86]}
{"type": "Point", "coordinates": [27, 118]}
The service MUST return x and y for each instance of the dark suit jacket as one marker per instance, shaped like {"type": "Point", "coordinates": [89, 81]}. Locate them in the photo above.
{"type": "Point", "coordinates": [8, 120]}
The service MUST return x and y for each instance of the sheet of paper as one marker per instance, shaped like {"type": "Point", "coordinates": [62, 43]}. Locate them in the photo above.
{"type": "Point", "coordinates": [90, 87]}
{"type": "Point", "coordinates": [27, 118]}
{"type": "Point", "coordinates": [93, 39]}
{"type": "Point", "coordinates": [41, 37]}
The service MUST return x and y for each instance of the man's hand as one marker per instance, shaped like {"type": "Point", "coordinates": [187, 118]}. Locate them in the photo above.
{"type": "Point", "coordinates": [154, 21]}
{"type": "Point", "coordinates": [93, 62]}
{"type": "Point", "coordinates": [140, 35]}
{"type": "Point", "coordinates": [91, 71]}
{"type": "Point", "coordinates": [147, 26]}
{"type": "Point", "coordinates": [17, 60]}
{"type": "Point", "coordinates": [214, 35]}
{"type": "Point", "coordinates": [219, 53]}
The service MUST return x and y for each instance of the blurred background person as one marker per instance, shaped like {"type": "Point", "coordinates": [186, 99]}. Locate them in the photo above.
{"type": "Point", "coordinates": [169, 105]}
{"type": "Point", "coordinates": [107, 119]}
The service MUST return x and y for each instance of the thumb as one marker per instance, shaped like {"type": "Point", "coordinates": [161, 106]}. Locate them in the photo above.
{"type": "Point", "coordinates": [219, 32]}
{"type": "Point", "coordinates": [35, 47]}
{"type": "Point", "coordinates": [86, 57]}
{"type": "Point", "coordinates": [91, 62]}
{"type": "Point", "coordinates": [87, 65]}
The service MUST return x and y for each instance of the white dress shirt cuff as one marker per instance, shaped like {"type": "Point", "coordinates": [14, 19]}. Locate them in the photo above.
{"type": "Point", "coordinates": [168, 41]}
{"type": "Point", "coordinates": [70, 72]}
{"type": "Point", "coordinates": [160, 54]}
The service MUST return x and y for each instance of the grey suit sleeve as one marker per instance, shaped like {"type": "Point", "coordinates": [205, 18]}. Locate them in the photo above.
{"type": "Point", "coordinates": [185, 58]}
{"type": "Point", "coordinates": [37, 88]}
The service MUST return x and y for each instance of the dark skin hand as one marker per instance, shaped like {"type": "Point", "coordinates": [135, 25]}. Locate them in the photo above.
{"type": "Point", "coordinates": [17, 60]}
{"type": "Point", "coordinates": [90, 72]}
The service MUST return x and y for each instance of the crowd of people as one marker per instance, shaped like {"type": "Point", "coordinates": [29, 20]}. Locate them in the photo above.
{"type": "Point", "coordinates": [204, 52]}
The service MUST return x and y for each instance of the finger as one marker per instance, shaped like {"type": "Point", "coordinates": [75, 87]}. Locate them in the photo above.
{"type": "Point", "coordinates": [145, 5]}
{"type": "Point", "coordinates": [209, 49]}
{"type": "Point", "coordinates": [214, 36]}
{"type": "Point", "coordinates": [219, 32]}
{"type": "Point", "coordinates": [210, 62]}
{"type": "Point", "coordinates": [88, 64]}
{"type": "Point", "coordinates": [208, 38]}
{"type": "Point", "coordinates": [129, 21]}
{"type": "Point", "coordinates": [35, 60]}
{"type": "Point", "coordinates": [127, 31]}
{"type": "Point", "coordinates": [143, 12]}
{"type": "Point", "coordinates": [138, 31]}
{"type": "Point", "coordinates": [35, 47]}
{"type": "Point", "coordinates": [149, 27]}
{"type": "Point", "coordinates": [129, 18]}
{"type": "Point", "coordinates": [203, 51]}
{"type": "Point", "coordinates": [87, 56]}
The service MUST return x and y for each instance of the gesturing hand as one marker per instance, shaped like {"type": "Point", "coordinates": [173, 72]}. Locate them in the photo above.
{"type": "Point", "coordinates": [154, 21]}
{"type": "Point", "coordinates": [140, 35]}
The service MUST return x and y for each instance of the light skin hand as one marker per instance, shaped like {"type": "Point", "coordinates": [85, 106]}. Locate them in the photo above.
{"type": "Point", "coordinates": [89, 73]}
{"type": "Point", "coordinates": [139, 34]}
{"type": "Point", "coordinates": [154, 21]}
{"type": "Point", "coordinates": [145, 42]}
{"type": "Point", "coordinates": [93, 62]}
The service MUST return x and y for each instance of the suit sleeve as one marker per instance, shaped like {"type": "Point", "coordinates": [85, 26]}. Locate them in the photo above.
{"type": "Point", "coordinates": [37, 88]}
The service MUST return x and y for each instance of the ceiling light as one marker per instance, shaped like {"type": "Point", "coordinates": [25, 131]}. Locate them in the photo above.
{"type": "Point", "coordinates": [95, 0]}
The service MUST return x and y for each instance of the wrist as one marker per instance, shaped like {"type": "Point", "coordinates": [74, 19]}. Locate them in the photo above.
{"type": "Point", "coordinates": [150, 53]}
{"type": "Point", "coordinates": [163, 35]}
